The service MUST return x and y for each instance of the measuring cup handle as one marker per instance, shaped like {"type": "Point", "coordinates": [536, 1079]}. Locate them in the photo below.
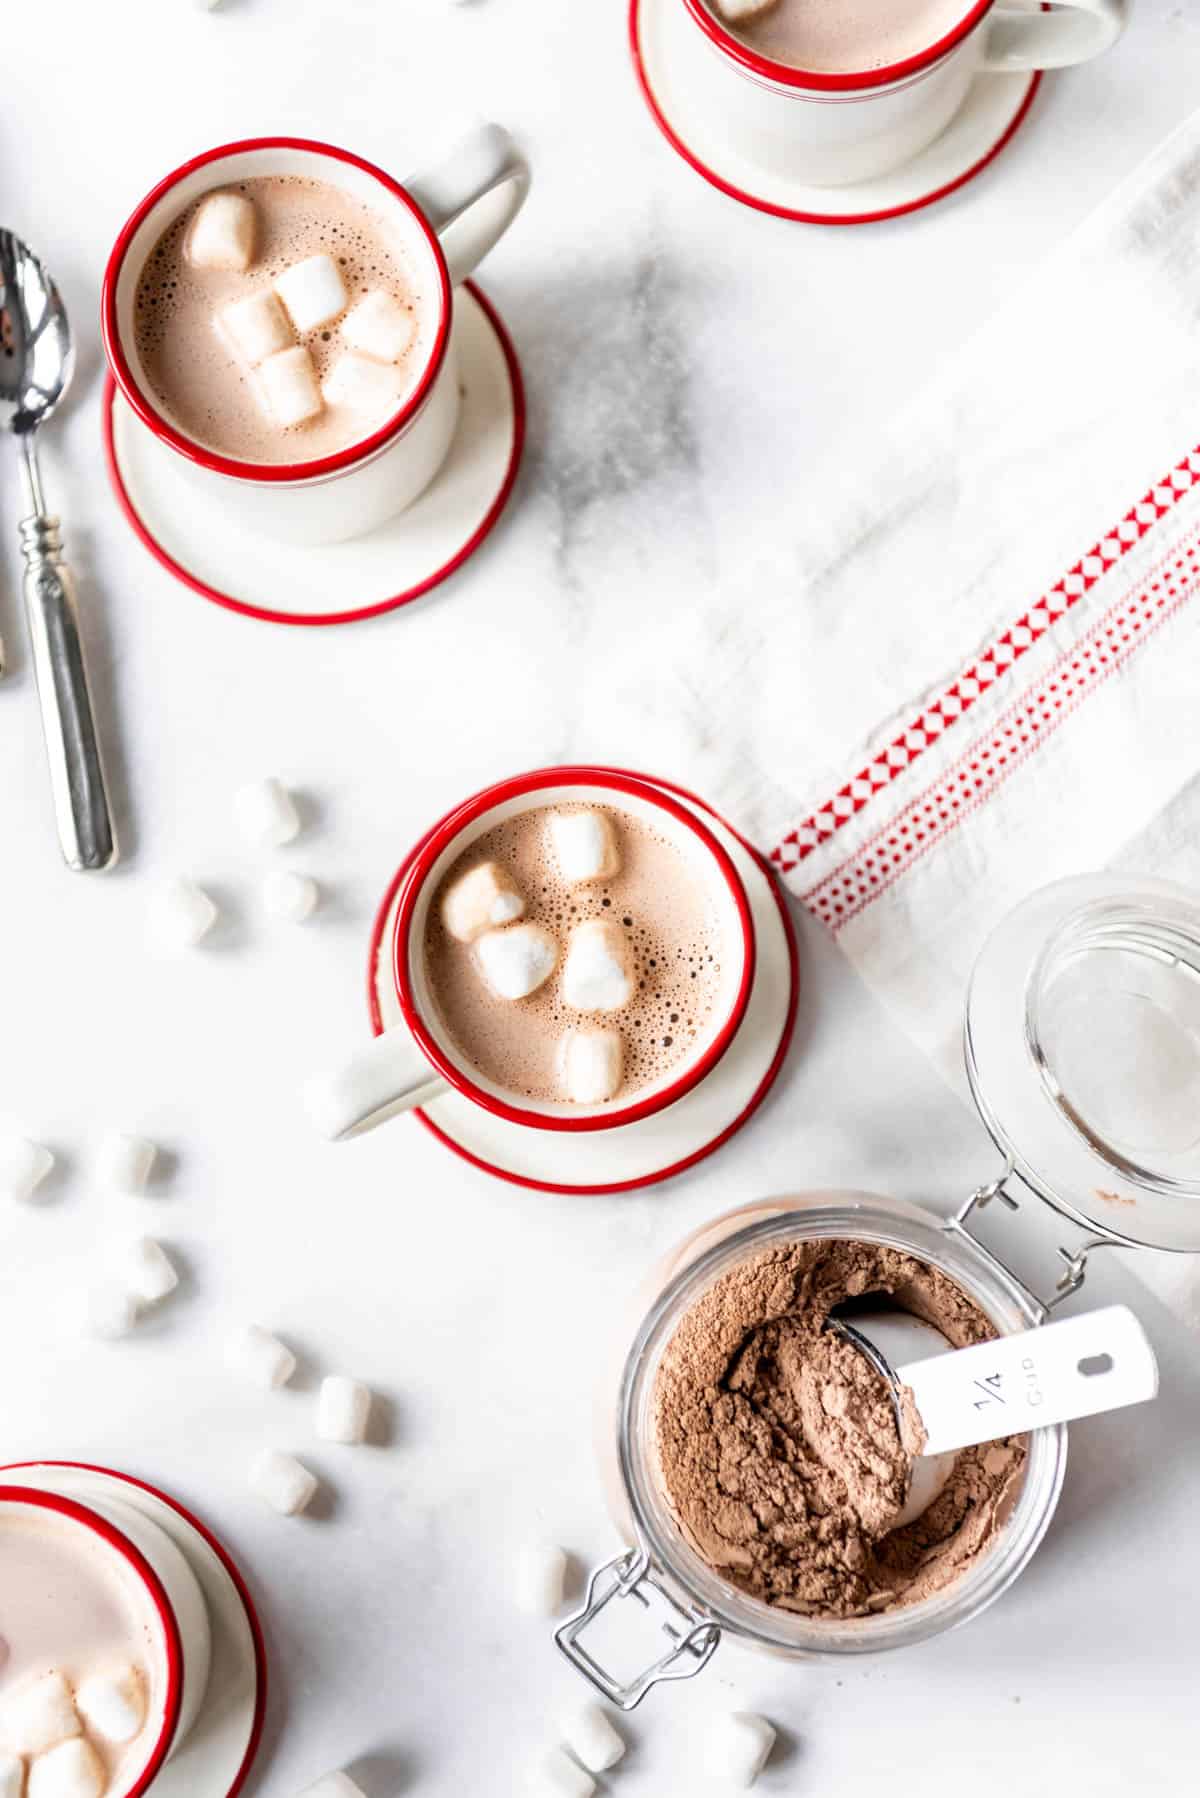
{"type": "Point", "coordinates": [387, 1076]}
{"type": "Point", "coordinates": [472, 194]}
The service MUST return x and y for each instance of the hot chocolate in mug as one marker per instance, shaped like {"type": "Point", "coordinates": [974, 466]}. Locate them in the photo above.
{"type": "Point", "coordinates": [832, 128]}
{"type": "Point", "coordinates": [659, 844]}
{"type": "Point", "coordinates": [444, 220]}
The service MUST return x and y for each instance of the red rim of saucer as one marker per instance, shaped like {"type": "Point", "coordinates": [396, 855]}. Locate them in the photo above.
{"type": "Point", "coordinates": [697, 1155]}
{"type": "Point", "coordinates": [231, 1568]}
{"type": "Point", "coordinates": [518, 787]}
{"type": "Point", "coordinates": [355, 614]}
{"type": "Point", "coordinates": [793, 214]}
{"type": "Point", "coordinates": [78, 1512]}
{"type": "Point", "coordinates": [255, 472]}
{"type": "Point", "coordinates": [786, 75]}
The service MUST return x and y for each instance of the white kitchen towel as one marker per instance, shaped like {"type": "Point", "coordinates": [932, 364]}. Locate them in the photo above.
{"type": "Point", "coordinates": [977, 672]}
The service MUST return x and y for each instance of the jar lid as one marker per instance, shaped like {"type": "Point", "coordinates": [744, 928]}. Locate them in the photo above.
{"type": "Point", "coordinates": [1082, 1044]}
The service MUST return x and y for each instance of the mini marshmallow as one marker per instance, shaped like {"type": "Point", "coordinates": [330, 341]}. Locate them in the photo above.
{"type": "Point", "coordinates": [37, 1715]}
{"type": "Point", "coordinates": [110, 1312]}
{"type": "Point", "coordinates": [266, 813]}
{"type": "Point", "coordinates": [149, 1272]}
{"type": "Point", "coordinates": [289, 898]}
{"type": "Point", "coordinates": [592, 1065]}
{"type": "Point", "coordinates": [739, 1746]}
{"type": "Point", "coordinates": [313, 291]}
{"type": "Point", "coordinates": [584, 845]}
{"type": "Point", "coordinates": [23, 1167]}
{"type": "Point", "coordinates": [481, 899]}
{"type": "Point", "coordinates": [182, 914]}
{"type": "Point", "coordinates": [287, 387]}
{"type": "Point", "coordinates": [72, 1770]}
{"type": "Point", "coordinates": [281, 1482]}
{"type": "Point", "coordinates": [541, 1577]}
{"type": "Point", "coordinates": [343, 1409]}
{"type": "Point", "coordinates": [597, 973]}
{"type": "Point", "coordinates": [222, 233]}
{"type": "Point", "coordinates": [334, 1785]}
{"type": "Point", "coordinates": [262, 1357]}
{"type": "Point", "coordinates": [738, 12]}
{"type": "Point", "coordinates": [556, 1775]}
{"type": "Point", "coordinates": [125, 1163]}
{"type": "Point", "coordinates": [114, 1705]}
{"type": "Point", "coordinates": [363, 386]}
{"type": "Point", "coordinates": [380, 326]}
{"type": "Point", "coordinates": [591, 1738]}
{"type": "Point", "coordinates": [516, 961]}
{"type": "Point", "coordinates": [254, 328]}
{"type": "Point", "coordinates": [12, 1776]}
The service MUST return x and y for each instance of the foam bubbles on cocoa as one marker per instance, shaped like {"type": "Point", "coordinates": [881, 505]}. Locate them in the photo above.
{"type": "Point", "coordinates": [675, 943]}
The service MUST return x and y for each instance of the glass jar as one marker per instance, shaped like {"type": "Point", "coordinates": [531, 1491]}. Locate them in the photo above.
{"type": "Point", "coordinates": [1062, 987]}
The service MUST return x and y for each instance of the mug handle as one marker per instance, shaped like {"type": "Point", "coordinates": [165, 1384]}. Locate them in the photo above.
{"type": "Point", "coordinates": [1070, 32]}
{"type": "Point", "coordinates": [388, 1075]}
{"type": "Point", "coordinates": [472, 194]}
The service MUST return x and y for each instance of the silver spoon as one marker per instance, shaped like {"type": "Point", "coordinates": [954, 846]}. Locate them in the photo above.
{"type": "Point", "coordinates": [36, 363]}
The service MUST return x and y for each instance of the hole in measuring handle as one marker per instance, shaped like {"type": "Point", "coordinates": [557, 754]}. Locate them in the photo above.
{"type": "Point", "coordinates": [1094, 1364]}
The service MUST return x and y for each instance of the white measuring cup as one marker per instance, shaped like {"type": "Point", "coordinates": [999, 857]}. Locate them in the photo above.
{"type": "Point", "coordinates": [1099, 1361]}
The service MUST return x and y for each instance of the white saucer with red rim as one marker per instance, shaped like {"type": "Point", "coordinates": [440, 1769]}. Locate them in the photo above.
{"type": "Point", "coordinates": [993, 111]}
{"type": "Point", "coordinates": [337, 583]}
{"type": "Point", "coordinates": [215, 1760]}
{"type": "Point", "coordinates": [657, 1147]}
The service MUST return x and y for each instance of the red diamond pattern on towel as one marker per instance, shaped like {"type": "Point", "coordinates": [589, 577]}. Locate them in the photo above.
{"type": "Point", "coordinates": [983, 674]}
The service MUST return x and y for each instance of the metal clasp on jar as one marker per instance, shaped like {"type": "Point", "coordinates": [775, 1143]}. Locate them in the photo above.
{"type": "Point", "coordinates": [693, 1636]}
{"type": "Point", "coordinates": [1074, 1260]}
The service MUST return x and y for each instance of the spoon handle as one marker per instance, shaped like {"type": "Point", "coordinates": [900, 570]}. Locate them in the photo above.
{"type": "Point", "coordinates": [81, 806]}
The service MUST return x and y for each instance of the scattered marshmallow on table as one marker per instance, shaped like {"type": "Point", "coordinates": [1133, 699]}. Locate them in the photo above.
{"type": "Point", "coordinates": [183, 914]}
{"type": "Point", "coordinates": [290, 898]}
{"type": "Point", "coordinates": [313, 292]}
{"type": "Point", "coordinates": [222, 233]}
{"type": "Point", "coordinates": [380, 326]}
{"type": "Point", "coordinates": [287, 387]}
{"type": "Point", "coordinates": [282, 1482]}
{"type": "Point", "coordinates": [556, 1775]}
{"type": "Point", "coordinates": [363, 386]}
{"type": "Point", "coordinates": [23, 1166]}
{"type": "Point", "coordinates": [598, 971]}
{"type": "Point", "coordinates": [591, 1738]}
{"type": "Point", "coordinates": [110, 1312]}
{"type": "Point", "coordinates": [266, 813]}
{"type": "Point", "coordinates": [516, 961]}
{"type": "Point", "coordinates": [37, 1715]}
{"type": "Point", "coordinates": [12, 1776]}
{"type": "Point", "coordinates": [739, 1746]}
{"type": "Point", "coordinates": [72, 1770]}
{"type": "Point", "coordinates": [125, 1163]}
{"type": "Point", "coordinates": [262, 1357]}
{"type": "Point", "coordinates": [483, 898]}
{"type": "Point", "coordinates": [334, 1785]}
{"type": "Point", "coordinates": [541, 1578]}
{"type": "Point", "coordinates": [148, 1270]}
{"type": "Point", "coordinates": [113, 1705]}
{"type": "Point", "coordinates": [254, 328]}
{"type": "Point", "coordinates": [584, 845]}
{"type": "Point", "coordinates": [343, 1410]}
{"type": "Point", "coordinates": [592, 1065]}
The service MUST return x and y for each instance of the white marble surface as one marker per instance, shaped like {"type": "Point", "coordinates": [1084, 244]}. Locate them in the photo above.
{"type": "Point", "coordinates": [691, 369]}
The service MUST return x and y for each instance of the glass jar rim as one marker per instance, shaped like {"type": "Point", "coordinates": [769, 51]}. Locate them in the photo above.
{"type": "Point", "coordinates": [851, 1216]}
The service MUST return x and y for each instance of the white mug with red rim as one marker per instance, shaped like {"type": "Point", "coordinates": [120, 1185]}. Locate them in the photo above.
{"type": "Point", "coordinates": [179, 1642]}
{"type": "Point", "coordinates": [831, 129]}
{"type": "Point", "coordinates": [448, 217]}
{"type": "Point", "coordinates": [413, 1063]}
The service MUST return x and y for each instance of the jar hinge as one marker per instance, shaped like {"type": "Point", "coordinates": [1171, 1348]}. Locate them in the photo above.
{"type": "Point", "coordinates": [694, 1637]}
{"type": "Point", "coordinates": [1074, 1260]}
